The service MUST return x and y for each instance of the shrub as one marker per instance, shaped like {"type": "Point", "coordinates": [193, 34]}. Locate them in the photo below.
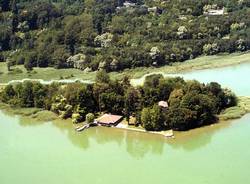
{"type": "Point", "coordinates": [90, 117]}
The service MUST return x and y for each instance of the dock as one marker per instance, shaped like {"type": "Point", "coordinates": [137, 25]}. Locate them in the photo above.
{"type": "Point", "coordinates": [86, 126]}
{"type": "Point", "coordinates": [167, 133]}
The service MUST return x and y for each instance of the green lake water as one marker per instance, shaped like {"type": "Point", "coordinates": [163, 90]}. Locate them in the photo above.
{"type": "Point", "coordinates": [235, 77]}
{"type": "Point", "coordinates": [53, 153]}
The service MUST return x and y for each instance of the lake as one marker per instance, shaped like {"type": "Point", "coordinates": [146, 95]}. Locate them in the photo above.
{"type": "Point", "coordinates": [52, 152]}
{"type": "Point", "coordinates": [234, 77]}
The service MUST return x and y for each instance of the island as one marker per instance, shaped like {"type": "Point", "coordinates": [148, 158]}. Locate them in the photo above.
{"type": "Point", "coordinates": [160, 104]}
{"type": "Point", "coordinates": [124, 91]}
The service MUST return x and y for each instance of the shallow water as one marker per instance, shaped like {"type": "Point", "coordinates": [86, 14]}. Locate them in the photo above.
{"type": "Point", "coordinates": [51, 153]}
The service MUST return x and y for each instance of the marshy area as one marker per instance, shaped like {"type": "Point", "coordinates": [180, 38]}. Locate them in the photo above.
{"type": "Point", "coordinates": [18, 72]}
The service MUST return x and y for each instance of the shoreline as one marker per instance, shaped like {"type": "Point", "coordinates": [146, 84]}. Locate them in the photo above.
{"type": "Point", "coordinates": [41, 115]}
{"type": "Point", "coordinates": [200, 63]}
{"type": "Point", "coordinates": [229, 114]}
{"type": "Point", "coordinates": [165, 133]}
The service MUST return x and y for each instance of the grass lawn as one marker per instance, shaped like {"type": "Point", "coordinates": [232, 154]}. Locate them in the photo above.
{"type": "Point", "coordinates": [42, 73]}
{"type": "Point", "coordinates": [203, 62]}
{"type": "Point", "coordinates": [238, 111]}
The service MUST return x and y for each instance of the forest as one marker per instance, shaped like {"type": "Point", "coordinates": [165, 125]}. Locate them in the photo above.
{"type": "Point", "coordinates": [191, 104]}
{"type": "Point", "coordinates": [115, 34]}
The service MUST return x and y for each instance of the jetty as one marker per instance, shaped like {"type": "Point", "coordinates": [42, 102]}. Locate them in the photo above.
{"type": "Point", "coordinates": [85, 126]}
{"type": "Point", "coordinates": [166, 133]}
{"type": "Point", "coordinates": [115, 121]}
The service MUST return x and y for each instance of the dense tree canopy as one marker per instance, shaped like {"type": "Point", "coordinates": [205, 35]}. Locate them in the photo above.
{"type": "Point", "coordinates": [114, 35]}
{"type": "Point", "coordinates": [190, 103]}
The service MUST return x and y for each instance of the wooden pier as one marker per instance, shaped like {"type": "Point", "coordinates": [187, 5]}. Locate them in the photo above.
{"type": "Point", "coordinates": [86, 126]}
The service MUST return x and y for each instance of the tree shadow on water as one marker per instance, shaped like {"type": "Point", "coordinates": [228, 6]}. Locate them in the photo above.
{"type": "Point", "coordinates": [197, 138]}
{"type": "Point", "coordinates": [138, 144]}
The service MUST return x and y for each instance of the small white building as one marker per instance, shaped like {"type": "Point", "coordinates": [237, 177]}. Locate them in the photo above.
{"type": "Point", "coordinates": [129, 4]}
{"type": "Point", "coordinates": [163, 104]}
{"type": "Point", "coordinates": [215, 12]}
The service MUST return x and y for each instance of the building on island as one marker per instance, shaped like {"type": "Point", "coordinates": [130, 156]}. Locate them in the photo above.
{"type": "Point", "coordinates": [109, 120]}
{"type": "Point", "coordinates": [163, 104]}
{"type": "Point", "coordinates": [128, 4]}
{"type": "Point", "coordinates": [214, 10]}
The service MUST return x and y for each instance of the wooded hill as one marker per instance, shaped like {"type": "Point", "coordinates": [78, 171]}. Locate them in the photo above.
{"type": "Point", "coordinates": [117, 34]}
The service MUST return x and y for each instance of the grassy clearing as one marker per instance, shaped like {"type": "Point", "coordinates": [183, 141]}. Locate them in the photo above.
{"type": "Point", "coordinates": [238, 111]}
{"type": "Point", "coordinates": [35, 114]}
{"type": "Point", "coordinates": [44, 116]}
{"type": "Point", "coordinates": [42, 73]}
{"type": "Point", "coordinates": [19, 111]}
{"type": "Point", "coordinates": [203, 62]}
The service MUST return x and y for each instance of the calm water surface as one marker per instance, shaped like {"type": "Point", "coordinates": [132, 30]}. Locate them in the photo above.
{"type": "Point", "coordinates": [52, 153]}
{"type": "Point", "coordinates": [235, 77]}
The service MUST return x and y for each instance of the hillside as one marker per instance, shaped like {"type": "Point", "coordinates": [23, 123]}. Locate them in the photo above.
{"type": "Point", "coordinates": [116, 34]}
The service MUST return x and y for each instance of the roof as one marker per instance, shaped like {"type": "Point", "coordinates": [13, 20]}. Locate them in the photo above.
{"type": "Point", "coordinates": [163, 104]}
{"type": "Point", "coordinates": [109, 119]}
{"type": "Point", "coordinates": [215, 12]}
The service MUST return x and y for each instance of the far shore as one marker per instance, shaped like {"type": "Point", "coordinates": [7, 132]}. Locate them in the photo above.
{"type": "Point", "coordinates": [71, 75]}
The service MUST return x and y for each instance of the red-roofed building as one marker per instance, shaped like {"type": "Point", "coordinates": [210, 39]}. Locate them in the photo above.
{"type": "Point", "coordinates": [109, 120]}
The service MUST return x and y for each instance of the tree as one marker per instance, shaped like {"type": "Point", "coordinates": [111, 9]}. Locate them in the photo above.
{"type": "Point", "coordinates": [118, 24]}
{"type": "Point", "coordinates": [146, 119]}
{"type": "Point", "coordinates": [111, 102]}
{"type": "Point", "coordinates": [203, 106]}
{"type": "Point", "coordinates": [5, 5]}
{"type": "Point", "coordinates": [8, 93]}
{"type": "Point", "coordinates": [179, 118]}
{"type": "Point", "coordinates": [230, 98]}
{"type": "Point", "coordinates": [78, 30]}
{"type": "Point", "coordinates": [175, 97]}
{"type": "Point", "coordinates": [71, 30]}
{"type": "Point", "coordinates": [132, 100]}
{"type": "Point", "coordinates": [5, 37]}
{"type": "Point", "coordinates": [27, 95]}
{"type": "Point", "coordinates": [14, 16]}
{"type": "Point", "coordinates": [152, 118]}
{"type": "Point", "coordinates": [90, 117]}
{"type": "Point", "coordinates": [157, 119]}
{"type": "Point", "coordinates": [102, 77]}
{"type": "Point", "coordinates": [1, 57]}
{"type": "Point", "coordinates": [59, 57]}
{"type": "Point", "coordinates": [210, 49]}
{"type": "Point", "coordinates": [39, 92]}
{"type": "Point", "coordinates": [85, 99]}
{"type": "Point", "coordinates": [167, 85]}
{"type": "Point", "coordinates": [152, 81]}
{"type": "Point", "coordinates": [30, 61]}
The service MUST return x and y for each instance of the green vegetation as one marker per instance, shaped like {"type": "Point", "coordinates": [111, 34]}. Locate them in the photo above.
{"type": "Point", "coordinates": [190, 103]}
{"type": "Point", "coordinates": [44, 116]}
{"type": "Point", "coordinates": [37, 114]}
{"type": "Point", "coordinates": [115, 35]}
{"type": "Point", "coordinates": [238, 111]}
{"type": "Point", "coordinates": [50, 73]}
{"type": "Point", "coordinates": [90, 117]}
